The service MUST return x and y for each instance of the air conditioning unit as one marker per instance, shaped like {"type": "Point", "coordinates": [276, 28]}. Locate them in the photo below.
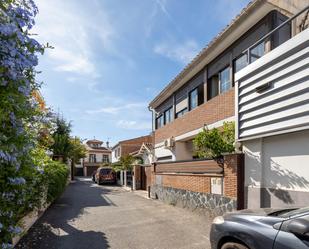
{"type": "Point", "coordinates": [169, 143]}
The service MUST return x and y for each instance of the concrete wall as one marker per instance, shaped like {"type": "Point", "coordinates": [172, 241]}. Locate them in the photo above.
{"type": "Point", "coordinates": [277, 170]}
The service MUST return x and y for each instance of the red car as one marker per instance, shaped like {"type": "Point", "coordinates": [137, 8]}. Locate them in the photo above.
{"type": "Point", "coordinates": [105, 175]}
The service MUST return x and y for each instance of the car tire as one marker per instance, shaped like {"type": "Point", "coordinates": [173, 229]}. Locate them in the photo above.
{"type": "Point", "coordinates": [233, 245]}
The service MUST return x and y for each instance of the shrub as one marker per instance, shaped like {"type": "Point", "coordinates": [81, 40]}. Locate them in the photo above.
{"type": "Point", "coordinates": [56, 176]}
{"type": "Point", "coordinates": [212, 143]}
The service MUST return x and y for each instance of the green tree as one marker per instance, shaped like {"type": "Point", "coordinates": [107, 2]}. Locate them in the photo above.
{"type": "Point", "coordinates": [125, 163]}
{"type": "Point", "coordinates": [61, 136]}
{"type": "Point", "coordinates": [77, 149]}
{"type": "Point", "coordinates": [212, 143]}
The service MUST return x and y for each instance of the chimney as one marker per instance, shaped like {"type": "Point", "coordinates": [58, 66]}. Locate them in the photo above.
{"type": "Point", "coordinates": [107, 144]}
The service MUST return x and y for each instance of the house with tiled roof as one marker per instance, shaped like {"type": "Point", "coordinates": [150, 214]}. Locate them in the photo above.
{"type": "Point", "coordinates": [97, 155]}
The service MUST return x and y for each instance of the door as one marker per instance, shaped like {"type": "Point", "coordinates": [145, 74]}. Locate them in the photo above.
{"type": "Point", "coordinates": [143, 179]}
{"type": "Point", "coordinates": [293, 234]}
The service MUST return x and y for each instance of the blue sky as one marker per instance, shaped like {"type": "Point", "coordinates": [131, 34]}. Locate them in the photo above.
{"type": "Point", "coordinates": [112, 57]}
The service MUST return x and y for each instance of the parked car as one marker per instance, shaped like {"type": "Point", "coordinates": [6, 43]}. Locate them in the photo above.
{"type": "Point", "coordinates": [261, 229]}
{"type": "Point", "coordinates": [105, 175]}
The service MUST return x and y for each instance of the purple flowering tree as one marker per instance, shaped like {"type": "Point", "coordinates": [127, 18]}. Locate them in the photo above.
{"type": "Point", "coordinates": [20, 116]}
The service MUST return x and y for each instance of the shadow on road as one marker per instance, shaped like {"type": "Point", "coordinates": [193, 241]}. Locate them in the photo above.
{"type": "Point", "coordinates": [55, 230]}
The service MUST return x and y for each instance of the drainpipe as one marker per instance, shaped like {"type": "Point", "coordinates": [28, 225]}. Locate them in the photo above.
{"type": "Point", "coordinates": [152, 119]}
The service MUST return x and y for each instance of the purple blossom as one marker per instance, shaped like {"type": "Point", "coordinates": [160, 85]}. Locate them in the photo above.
{"type": "Point", "coordinates": [14, 230]}
{"type": "Point", "coordinates": [6, 246]}
{"type": "Point", "coordinates": [17, 180]}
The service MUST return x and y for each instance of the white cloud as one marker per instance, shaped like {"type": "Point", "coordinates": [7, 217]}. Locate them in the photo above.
{"type": "Point", "coordinates": [67, 28]}
{"type": "Point", "coordinates": [134, 125]}
{"type": "Point", "coordinates": [183, 53]}
{"type": "Point", "coordinates": [117, 109]}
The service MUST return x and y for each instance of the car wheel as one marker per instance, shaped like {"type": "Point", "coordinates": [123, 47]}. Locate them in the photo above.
{"type": "Point", "coordinates": [233, 245]}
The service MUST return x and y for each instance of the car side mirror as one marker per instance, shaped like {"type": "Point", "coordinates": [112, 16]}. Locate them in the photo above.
{"type": "Point", "coordinates": [298, 226]}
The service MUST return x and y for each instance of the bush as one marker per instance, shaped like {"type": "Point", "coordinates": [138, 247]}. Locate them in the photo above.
{"type": "Point", "coordinates": [213, 143]}
{"type": "Point", "coordinates": [56, 177]}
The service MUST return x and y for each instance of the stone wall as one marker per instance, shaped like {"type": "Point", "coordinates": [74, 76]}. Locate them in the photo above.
{"type": "Point", "coordinates": [204, 203]}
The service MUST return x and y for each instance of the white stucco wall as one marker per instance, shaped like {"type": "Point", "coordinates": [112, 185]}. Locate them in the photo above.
{"type": "Point", "coordinates": [279, 165]}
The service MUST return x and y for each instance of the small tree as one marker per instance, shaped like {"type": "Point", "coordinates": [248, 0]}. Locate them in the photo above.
{"type": "Point", "coordinates": [61, 138]}
{"type": "Point", "coordinates": [124, 163]}
{"type": "Point", "coordinates": [213, 143]}
{"type": "Point", "coordinates": [76, 151]}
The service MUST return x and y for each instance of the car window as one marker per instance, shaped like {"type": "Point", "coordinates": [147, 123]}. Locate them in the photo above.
{"type": "Point", "coordinates": [295, 212]}
{"type": "Point", "coordinates": [105, 171]}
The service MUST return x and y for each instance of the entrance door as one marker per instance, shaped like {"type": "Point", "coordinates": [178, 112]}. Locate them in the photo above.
{"type": "Point", "coordinates": [143, 179]}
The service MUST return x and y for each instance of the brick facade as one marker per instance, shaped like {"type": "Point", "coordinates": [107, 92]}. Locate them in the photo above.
{"type": "Point", "coordinates": [216, 109]}
{"type": "Point", "coordinates": [232, 178]}
{"type": "Point", "coordinates": [193, 183]}
{"type": "Point", "coordinates": [132, 145]}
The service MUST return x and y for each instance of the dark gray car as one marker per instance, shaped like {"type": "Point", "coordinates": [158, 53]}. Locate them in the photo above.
{"type": "Point", "coordinates": [261, 229]}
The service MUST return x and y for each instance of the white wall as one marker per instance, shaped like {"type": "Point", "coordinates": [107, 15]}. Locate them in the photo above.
{"type": "Point", "coordinates": [114, 158]}
{"type": "Point", "coordinates": [279, 165]}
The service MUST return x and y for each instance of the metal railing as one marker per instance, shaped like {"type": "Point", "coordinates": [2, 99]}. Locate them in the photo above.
{"type": "Point", "coordinates": [268, 35]}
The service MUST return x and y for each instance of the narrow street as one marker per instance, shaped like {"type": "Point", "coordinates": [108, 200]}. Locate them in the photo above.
{"type": "Point", "coordinates": [92, 216]}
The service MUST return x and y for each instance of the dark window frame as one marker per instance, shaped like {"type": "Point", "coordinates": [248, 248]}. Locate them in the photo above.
{"type": "Point", "coordinates": [157, 118]}
{"type": "Point", "coordinates": [230, 79]}
{"type": "Point", "coordinates": [182, 112]}
{"type": "Point", "coordinates": [170, 110]}
{"type": "Point", "coordinates": [92, 158]}
{"type": "Point", "coordinates": [189, 99]}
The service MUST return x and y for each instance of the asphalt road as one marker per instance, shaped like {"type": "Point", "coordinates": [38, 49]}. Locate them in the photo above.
{"type": "Point", "coordinates": [99, 217]}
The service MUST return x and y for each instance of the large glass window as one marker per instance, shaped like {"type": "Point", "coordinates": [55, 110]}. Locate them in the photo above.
{"type": "Point", "coordinates": [168, 116]}
{"type": "Point", "coordinates": [105, 159]}
{"type": "Point", "coordinates": [224, 78]}
{"type": "Point", "coordinates": [257, 52]}
{"type": "Point", "coordinates": [193, 99]}
{"type": "Point", "coordinates": [181, 113]}
{"type": "Point", "coordinates": [92, 158]}
{"type": "Point", "coordinates": [212, 87]}
{"type": "Point", "coordinates": [240, 62]}
{"type": "Point", "coordinates": [160, 121]}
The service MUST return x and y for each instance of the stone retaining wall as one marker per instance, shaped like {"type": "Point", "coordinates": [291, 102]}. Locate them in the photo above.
{"type": "Point", "coordinates": [205, 203]}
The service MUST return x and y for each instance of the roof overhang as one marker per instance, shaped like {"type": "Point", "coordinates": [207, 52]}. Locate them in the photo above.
{"type": "Point", "coordinates": [240, 25]}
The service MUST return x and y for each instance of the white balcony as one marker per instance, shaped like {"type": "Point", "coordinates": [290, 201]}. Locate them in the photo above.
{"type": "Point", "coordinates": [272, 93]}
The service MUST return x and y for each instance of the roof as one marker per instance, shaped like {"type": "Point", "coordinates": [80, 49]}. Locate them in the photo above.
{"type": "Point", "coordinates": [128, 140]}
{"type": "Point", "coordinates": [94, 141]}
{"type": "Point", "coordinates": [101, 148]}
{"type": "Point", "coordinates": [144, 147]}
{"type": "Point", "coordinates": [205, 52]}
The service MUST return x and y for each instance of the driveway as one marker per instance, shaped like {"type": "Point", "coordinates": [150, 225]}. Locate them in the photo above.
{"type": "Point", "coordinates": [99, 217]}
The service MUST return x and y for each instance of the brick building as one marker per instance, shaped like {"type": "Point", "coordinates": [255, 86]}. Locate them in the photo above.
{"type": "Point", "coordinates": [203, 93]}
{"type": "Point", "coordinates": [127, 147]}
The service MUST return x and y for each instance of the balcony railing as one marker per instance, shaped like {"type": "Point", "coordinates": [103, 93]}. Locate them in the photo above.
{"type": "Point", "coordinates": [272, 93]}
{"type": "Point", "coordinates": [302, 27]}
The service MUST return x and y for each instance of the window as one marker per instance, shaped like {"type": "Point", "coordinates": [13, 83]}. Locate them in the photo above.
{"type": "Point", "coordinates": [224, 78]}
{"type": "Point", "coordinates": [160, 121]}
{"type": "Point", "coordinates": [257, 52]}
{"type": "Point", "coordinates": [105, 159]}
{"type": "Point", "coordinates": [181, 113]}
{"type": "Point", "coordinates": [118, 153]}
{"type": "Point", "coordinates": [240, 62]}
{"type": "Point", "coordinates": [212, 87]}
{"type": "Point", "coordinates": [92, 158]}
{"type": "Point", "coordinates": [193, 99]}
{"type": "Point", "coordinates": [168, 116]}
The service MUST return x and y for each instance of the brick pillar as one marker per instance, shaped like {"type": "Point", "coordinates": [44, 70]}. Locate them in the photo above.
{"type": "Point", "coordinates": [234, 178]}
